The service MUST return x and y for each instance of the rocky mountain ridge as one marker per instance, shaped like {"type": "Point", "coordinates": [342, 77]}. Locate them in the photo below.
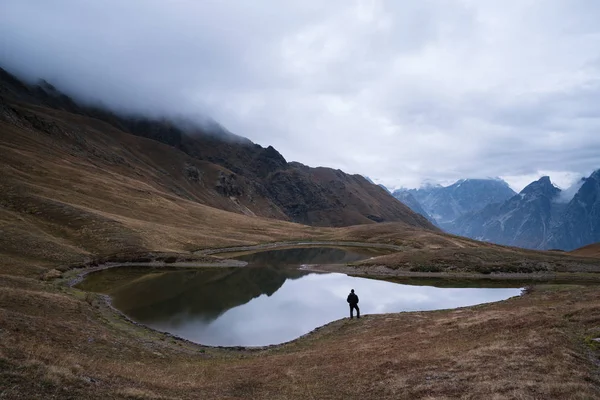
{"type": "Point", "coordinates": [538, 217]}
{"type": "Point", "coordinates": [578, 223]}
{"type": "Point", "coordinates": [407, 198]}
{"type": "Point", "coordinates": [444, 204]}
{"type": "Point", "coordinates": [541, 216]}
{"type": "Point", "coordinates": [204, 163]}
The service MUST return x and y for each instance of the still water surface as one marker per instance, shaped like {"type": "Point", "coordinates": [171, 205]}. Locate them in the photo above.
{"type": "Point", "coordinates": [269, 301]}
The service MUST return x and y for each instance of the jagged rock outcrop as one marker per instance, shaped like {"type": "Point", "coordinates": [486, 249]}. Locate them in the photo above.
{"type": "Point", "coordinates": [227, 185]}
{"type": "Point", "coordinates": [327, 197]}
{"type": "Point", "coordinates": [192, 173]}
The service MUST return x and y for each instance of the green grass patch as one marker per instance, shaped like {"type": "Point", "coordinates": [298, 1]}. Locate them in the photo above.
{"type": "Point", "coordinates": [592, 342]}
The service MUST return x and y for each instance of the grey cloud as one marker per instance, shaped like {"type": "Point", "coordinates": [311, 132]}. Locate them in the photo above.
{"type": "Point", "coordinates": [403, 92]}
{"type": "Point", "coordinates": [567, 195]}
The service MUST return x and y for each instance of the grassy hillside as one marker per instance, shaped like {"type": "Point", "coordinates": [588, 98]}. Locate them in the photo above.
{"type": "Point", "coordinates": [59, 343]}
{"type": "Point", "coordinates": [68, 196]}
{"type": "Point", "coordinates": [74, 189]}
{"type": "Point", "coordinates": [591, 250]}
{"type": "Point", "coordinates": [200, 162]}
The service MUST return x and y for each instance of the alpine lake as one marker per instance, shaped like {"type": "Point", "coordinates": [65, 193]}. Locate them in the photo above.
{"type": "Point", "coordinates": [275, 298]}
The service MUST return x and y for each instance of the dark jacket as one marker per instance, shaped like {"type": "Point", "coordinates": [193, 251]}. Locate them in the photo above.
{"type": "Point", "coordinates": [352, 299]}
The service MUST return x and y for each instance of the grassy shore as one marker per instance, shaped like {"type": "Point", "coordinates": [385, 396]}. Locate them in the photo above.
{"type": "Point", "coordinates": [58, 342]}
{"type": "Point", "coordinates": [62, 211]}
{"type": "Point", "coordinates": [78, 194]}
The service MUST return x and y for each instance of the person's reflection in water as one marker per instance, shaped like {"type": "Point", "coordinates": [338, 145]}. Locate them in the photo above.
{"type": "Point", "coordinates": [353, 301]}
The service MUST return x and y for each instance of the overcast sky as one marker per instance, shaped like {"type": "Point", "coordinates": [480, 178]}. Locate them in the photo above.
{"type": "Point", "coordinates": [404, 92]}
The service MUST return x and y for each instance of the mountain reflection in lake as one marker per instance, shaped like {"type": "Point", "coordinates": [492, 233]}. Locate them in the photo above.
{"type": "Point", "coordinates": [311, 255]}
{"type": "Point", "coordinates": [261, 305]}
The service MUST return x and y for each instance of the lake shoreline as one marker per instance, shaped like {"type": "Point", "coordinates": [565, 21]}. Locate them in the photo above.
{"type": "Point", "coordinates": [378, 273]}
{"type": "Point", "coordinates": [545, 338]}
{"type": "Point", "coordinates": [354, 269]}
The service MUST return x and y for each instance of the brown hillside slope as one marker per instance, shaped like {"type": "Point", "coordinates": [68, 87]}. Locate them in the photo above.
{"type": "Point", "coordinates": [73, 187]}
{"type": "Point", "coordinates": [65, 198]}
{"type": "Point", "coordinates": [591, 250]}
{"type": "Point", "coordinates": [203, 163]}
{"type": "Point", "coordinates": [61, 343]}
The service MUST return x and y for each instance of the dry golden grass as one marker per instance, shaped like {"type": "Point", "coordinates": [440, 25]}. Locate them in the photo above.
{"type": "Point", "coordinates": [484, 259]}
{"type": "Point", "coordinates": [71, 204]}
{"type": "Point", "coordinates": [68, 197]}
{"type": "Point", "coordinates": [592, 250]}
{"type": "Point", "coordinates": [530, 347]}
{"type": "Point", "coordinates": [62, 208]}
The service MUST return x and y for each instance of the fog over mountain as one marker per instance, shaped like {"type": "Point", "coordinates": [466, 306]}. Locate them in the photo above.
{"type": "Point", "coordinates": [567, 194]}
{"type": "Point", "coordinates": [400, 91]}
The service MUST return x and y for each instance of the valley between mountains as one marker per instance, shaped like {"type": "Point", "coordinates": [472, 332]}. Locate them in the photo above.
{"type": "Point", "coordinates": [82, 187]}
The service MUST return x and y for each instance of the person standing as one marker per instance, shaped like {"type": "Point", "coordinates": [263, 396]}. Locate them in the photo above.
{"type": "Point", "coordinates": [353, 302]}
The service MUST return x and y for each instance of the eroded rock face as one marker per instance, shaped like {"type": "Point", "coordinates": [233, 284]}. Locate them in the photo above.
{"type": "Point", "coordinates": [269, 160]}
{"type": "Point", "coordinates": [328, 197]}
{"type": "Point", "coordinates": [192, 173]}
{"type": "Point", "coordinates": [227, 185]}
{"type": "Point", "coordinates": [298, 195]}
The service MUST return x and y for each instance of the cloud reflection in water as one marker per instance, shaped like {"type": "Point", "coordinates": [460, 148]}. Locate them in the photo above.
{"type": "Point", "coordinates": [300, 305]}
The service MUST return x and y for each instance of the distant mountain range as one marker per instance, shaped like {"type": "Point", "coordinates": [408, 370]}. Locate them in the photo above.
{"type": "Point", "coordinates": [380, 185]}
{"type": "Point", "coordinates": [409, 199]}
{"type": "Point", "coordinates": [541, 216]}
{"type": "Point", "coordinates": [444, 204]}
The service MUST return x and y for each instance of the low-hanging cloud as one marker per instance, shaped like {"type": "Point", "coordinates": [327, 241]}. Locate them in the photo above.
{"type": "Point", "coordinates": [400, 91]}
{"type": "Point", "coordinates": [567, 194]}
